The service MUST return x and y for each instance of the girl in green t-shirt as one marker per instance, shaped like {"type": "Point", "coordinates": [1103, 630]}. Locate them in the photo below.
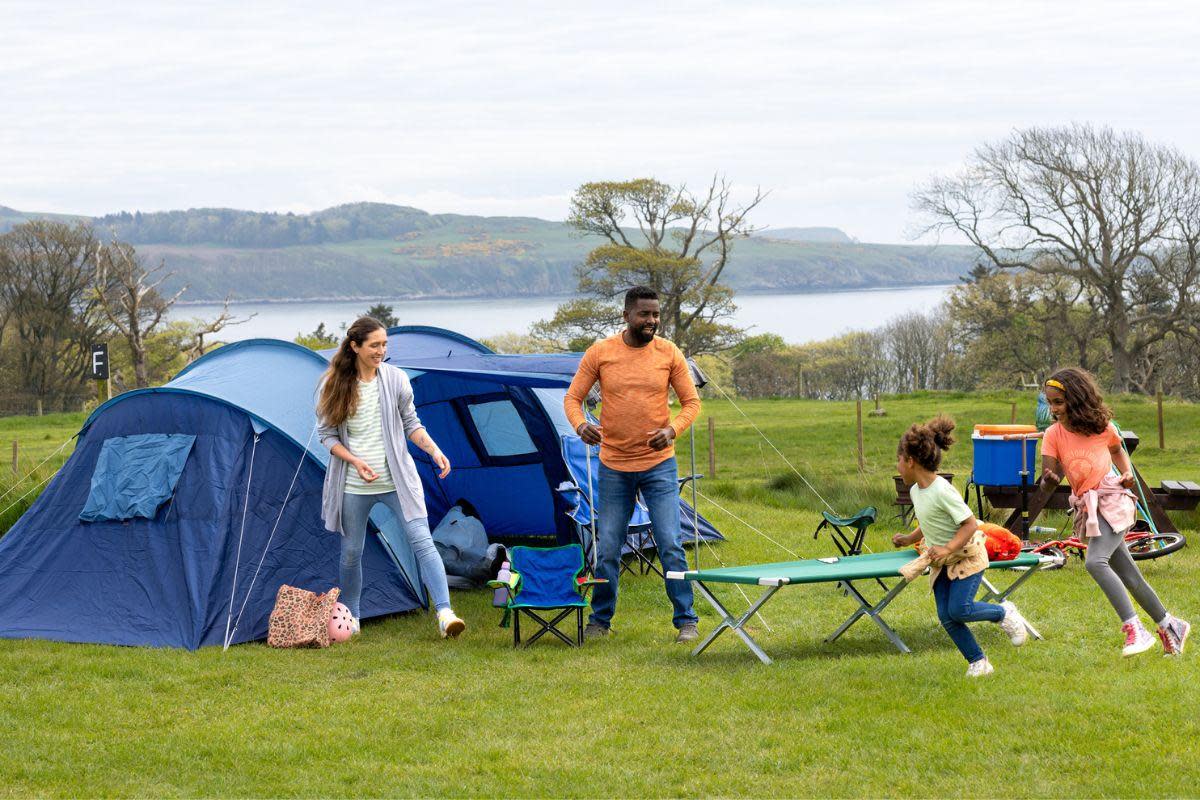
{"type": "Point", "coordinates": [948, 527]}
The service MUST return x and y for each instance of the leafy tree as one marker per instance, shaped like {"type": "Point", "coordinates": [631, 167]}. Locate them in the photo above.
{"type": "Point", "coordinates": [384, 314]}
{"type": "Point", "coordinates": [1115, 215]}
{"type": "Point", "coordinates": [517, 343]}
{"type": "Point", "coordinates": [680, 248]}
{"type": "Point", "coordinates": [761, 343]}
{"type": "Point", "coordinates": [319, 339]}
{"type": "Point", "coordinates": [165, 355]}
{"type": "Point", "coordinates": [1014, 323]}
{"type": "Point", "coordinates": [46, 288]}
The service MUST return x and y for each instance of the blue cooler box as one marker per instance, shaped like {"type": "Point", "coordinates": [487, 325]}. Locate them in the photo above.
{"type": "Point", "coordinates": [998, 460]}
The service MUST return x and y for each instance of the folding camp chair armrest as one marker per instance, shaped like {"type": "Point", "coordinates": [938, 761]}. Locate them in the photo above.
{"type": "Point", "coordinates": [584, 585]}
{"type": "Point", "coordinates": [683, 481]}
{"type": "Point", "coordinates": [514, 579]}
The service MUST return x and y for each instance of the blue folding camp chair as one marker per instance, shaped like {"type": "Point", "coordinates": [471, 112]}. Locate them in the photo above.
{"type": "Point", "coordinates": [546, 579]}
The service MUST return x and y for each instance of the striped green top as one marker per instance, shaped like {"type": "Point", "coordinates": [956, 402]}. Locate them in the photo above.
{"type": "Point", "coordinates": [364, 429]}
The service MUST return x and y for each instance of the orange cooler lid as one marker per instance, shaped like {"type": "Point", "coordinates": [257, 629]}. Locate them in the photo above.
{"type": "Point", "coordinates": [1003, 430]}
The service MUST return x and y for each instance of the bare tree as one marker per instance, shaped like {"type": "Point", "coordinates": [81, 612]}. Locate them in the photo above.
{"type": "Point", "coordinates": [129, 297]}
{"type": "Point", "coordinates": [676, 242]}
{"type": "Point", "coordinates": [1118, 215]}
{"type": "Point", "coordinates": [46, 288]}
{"type": "Point", "coordinates": [202, 328]}
{"type": "Point", "coordinates": [917, 344]}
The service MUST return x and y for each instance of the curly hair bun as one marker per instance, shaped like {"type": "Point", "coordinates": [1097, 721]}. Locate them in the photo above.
{"type": "Point", "coordinates": [941, 427]}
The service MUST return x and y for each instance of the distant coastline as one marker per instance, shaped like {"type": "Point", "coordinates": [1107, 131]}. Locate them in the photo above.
{"type": "Point", "coordinates": [407, 298]}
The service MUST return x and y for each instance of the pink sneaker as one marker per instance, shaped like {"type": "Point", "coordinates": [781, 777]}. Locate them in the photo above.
{"type": "Point", "coordinates": [1137, 639]}
{"type": "Point", "coordinates": [1174, 637]}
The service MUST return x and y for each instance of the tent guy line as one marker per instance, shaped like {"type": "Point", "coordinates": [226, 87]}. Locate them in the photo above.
{"type": "Point", "coordinates": [286, 498]}
{"type": "Point", "coordinates": [29, 474]}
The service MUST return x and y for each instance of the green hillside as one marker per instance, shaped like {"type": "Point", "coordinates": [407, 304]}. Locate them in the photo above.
{"type": "Point", "coordinates": [370, 250]}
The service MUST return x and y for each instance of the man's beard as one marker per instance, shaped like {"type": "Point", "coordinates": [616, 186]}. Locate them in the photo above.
{"type": "Point", "coordinates": [643, 336]}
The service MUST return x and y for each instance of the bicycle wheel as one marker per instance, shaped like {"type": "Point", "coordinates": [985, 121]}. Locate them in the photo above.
{"type": "Point", "coordinates": [1156, 546]}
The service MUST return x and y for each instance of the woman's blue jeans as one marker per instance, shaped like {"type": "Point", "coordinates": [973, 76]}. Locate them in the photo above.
{"type": "Point", "coordinates": [956, 605]}
{"type": "Point", "coordinates": [659, 486]}
{"type": "Point", "coordinates": [356, 508]}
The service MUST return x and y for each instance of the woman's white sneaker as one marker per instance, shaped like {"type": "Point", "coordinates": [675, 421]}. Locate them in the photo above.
{"type": "Point", "coordinates": [977, 669]}
{"type": "Point", "coordinates": [1013, 624]}
{"type": "Point", "coordinates": [449, 625]}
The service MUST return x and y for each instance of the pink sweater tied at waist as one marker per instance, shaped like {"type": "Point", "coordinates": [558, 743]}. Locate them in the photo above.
{"type": "Point", "coordinates": [1110, 500]}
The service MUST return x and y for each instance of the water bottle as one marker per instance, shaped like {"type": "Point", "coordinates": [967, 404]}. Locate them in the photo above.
{"type": "Point", "coordinates": [500, 597]}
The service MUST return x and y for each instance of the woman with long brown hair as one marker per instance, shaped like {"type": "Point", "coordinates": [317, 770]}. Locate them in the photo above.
{"type": "Point", "coordinates": [366, 410]}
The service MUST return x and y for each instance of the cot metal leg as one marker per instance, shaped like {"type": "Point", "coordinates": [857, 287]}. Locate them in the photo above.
{"type": "Point", "coordinates": [872, 611]}
{"type": "Point", "coordinates": [735, 624]}
{"type": "Point", "coordinates": [993, 595]}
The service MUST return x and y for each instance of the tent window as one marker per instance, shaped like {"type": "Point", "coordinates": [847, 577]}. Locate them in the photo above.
{"type": "Point", "coordinates": [134, 475]}
{"type": "Point", "coordinates": [501, 429]}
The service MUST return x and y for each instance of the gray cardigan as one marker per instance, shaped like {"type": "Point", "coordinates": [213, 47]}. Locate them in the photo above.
{"type": "Point", "coordinates": [398, 413]}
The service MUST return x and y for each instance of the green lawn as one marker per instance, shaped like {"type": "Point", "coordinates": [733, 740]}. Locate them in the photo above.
{"type": "Point", "coordinates": [43, 444]}
{"type": "Point", "coordinates": [399, 712]}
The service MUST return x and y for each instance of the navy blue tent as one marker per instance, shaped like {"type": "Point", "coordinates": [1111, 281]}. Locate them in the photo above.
{"type": "Point", "coordinates": [204, 565]}
{"type": "Point", "coordinates": [500, 421]}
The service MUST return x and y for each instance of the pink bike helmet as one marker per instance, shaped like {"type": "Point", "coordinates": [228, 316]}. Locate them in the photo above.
{"type": "Point", "coordinates": [340, 624]}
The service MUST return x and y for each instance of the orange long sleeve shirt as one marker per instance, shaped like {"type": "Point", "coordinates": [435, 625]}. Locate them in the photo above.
{"type": "Point", "coordinates": [634, 399]}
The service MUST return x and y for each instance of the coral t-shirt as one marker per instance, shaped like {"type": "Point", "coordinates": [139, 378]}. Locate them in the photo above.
{"type": "Point", "coordinates": [1085, 458]}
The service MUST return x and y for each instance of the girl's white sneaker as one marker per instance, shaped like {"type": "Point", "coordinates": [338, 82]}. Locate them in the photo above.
{"type": "Point", "coordinates": [1013, 624]}
{"type": "Point", "coordinates": [1137, 639]}
{"type": "Point", "coordinates": [977, 669]}
{"type": "Point", "coordinates": [1174, 633]}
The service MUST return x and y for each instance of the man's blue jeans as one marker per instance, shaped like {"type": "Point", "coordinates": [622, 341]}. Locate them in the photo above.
{"type": "Point", "coordinates": [956, 605]}
{"type": "Point", "coordinates": [659, 486]}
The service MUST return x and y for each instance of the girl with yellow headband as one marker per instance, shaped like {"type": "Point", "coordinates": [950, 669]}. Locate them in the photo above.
{"type": "Point", "coordinates": [1084, 445]}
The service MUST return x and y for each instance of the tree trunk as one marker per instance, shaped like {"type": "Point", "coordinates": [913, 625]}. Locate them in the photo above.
{"type": "Point", "coordinates": [139, 369]}
{"type": "Point", "coordinates": [1118, 336]}
{"type": "Point", "coordinates": [1122, 370]}
{"type": "Point", "coordinates": [137, 352]}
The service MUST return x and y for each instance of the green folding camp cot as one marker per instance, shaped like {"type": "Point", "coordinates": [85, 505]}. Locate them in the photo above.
{"type": "Point", "coordinates": [843, 571]}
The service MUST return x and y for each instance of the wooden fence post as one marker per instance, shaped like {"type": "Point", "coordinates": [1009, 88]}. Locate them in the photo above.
{"type": "Point", "coordinates": [862, 467]}
{"type": "Point", "coordinates": [712, 447]}
{"type": "Point", "coordinates": [1013, 414]}
{"type": "Point", "coordinates": [1162, 445]}
{"type": "Point", "coordinates": [16, 470]}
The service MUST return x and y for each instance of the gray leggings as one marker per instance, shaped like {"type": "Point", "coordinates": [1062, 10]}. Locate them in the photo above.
{"type": "Point", "coordinates": [1109, 563]}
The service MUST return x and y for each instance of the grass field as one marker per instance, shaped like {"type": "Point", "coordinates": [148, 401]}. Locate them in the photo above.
{"type": "Point", "coordinates": [399, 712]}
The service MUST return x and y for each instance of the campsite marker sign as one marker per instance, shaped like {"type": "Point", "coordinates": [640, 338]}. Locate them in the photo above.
{"type": "Point", "coordinates": [100, 370]}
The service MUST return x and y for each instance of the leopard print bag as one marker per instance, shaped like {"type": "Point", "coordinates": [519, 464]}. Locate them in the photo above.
{"type": "Point", "coordinates": [301, 618]}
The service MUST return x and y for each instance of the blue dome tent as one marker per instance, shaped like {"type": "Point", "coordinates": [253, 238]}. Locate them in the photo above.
{"type": "Point", "coordinates": [193, 561]}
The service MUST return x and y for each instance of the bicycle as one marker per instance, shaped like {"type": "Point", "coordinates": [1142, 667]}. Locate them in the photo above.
{"type": "Point", "coordinates": [1143, 543]}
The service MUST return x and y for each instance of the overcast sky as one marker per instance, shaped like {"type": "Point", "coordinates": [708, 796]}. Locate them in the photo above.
{"type": "Point", "coordinates": [839, 109]}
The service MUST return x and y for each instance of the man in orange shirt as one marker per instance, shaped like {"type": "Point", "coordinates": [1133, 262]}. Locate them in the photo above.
{"type": "Point", "coordinates": [637, 452]}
